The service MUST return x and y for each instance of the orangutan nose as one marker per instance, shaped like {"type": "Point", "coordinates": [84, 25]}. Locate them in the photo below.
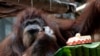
{"type": "Point", "coordinates": [32, 31]}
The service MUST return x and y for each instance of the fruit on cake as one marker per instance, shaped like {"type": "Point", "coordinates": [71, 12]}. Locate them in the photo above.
{"type": "Point", "coordinates": [78, 39]}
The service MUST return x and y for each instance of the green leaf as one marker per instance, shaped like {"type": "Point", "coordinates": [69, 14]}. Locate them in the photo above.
{"type": "Point", "coordinates": [66, 52]}
{"type": "Point", "coordinates": [63, 52]}
{"type": "Point", "coordinates": [59, 52]}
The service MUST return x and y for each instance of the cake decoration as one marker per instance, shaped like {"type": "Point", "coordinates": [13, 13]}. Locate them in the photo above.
{"type": "Point", "coordinates": [78, 39]}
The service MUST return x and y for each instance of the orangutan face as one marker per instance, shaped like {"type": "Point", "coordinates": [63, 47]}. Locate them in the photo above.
{"type": "Point", "coordinates": [31, 29]}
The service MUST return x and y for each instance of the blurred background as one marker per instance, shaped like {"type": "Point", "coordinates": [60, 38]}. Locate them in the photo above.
{"type": "Point", "coordinates": [6, 25]}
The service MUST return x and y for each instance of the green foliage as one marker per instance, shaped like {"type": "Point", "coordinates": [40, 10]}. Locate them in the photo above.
{"type": "Point", "coordinates": [92, 49]}
{"type": "Point", "coordinates": [63, 52]}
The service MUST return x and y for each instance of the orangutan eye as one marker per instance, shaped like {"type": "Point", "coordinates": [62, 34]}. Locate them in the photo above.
{"type": "Point", "coordinates": [26, 24]}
